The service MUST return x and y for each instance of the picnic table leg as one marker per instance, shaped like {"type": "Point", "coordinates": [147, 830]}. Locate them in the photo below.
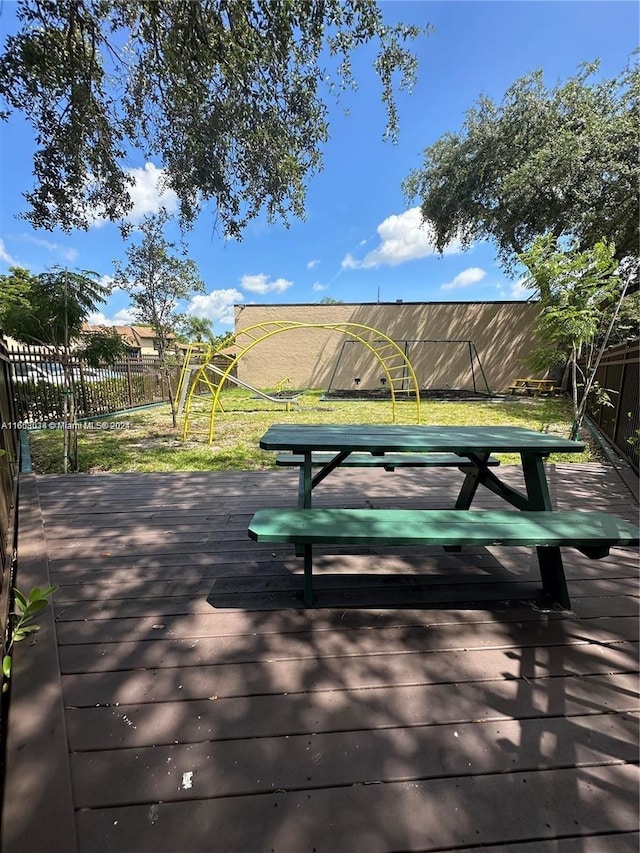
{"type": "Point", "coordinates": [472, 471]}
{"type": "Point", "coordinates": [308, 576]}
{"type": "Point", "coordinates": [473, 477]}
{"type": "Point", "coordinates": [554, 582]}
{"type": "Point", "coordinates": [304, 491]}
{"type": "Point", "coordinates": [306, 474]}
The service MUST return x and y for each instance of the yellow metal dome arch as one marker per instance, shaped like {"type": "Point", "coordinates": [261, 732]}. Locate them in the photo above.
{"type": "Point", "coordinates": [392, 359]}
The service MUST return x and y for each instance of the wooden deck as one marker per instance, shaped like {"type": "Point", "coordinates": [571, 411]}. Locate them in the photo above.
{"type": "Point", "coordinates": [426, 704]}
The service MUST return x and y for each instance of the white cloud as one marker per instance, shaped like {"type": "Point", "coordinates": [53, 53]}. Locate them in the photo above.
{"type": "Point", "coordinates": [260, 284]}
{"type": "Point", "coordinates": [403, 237]}
{"type": "Point", "coordinates": [148, 194]}
{"type": "Point", "coordinates": [519, 290]}
{"type": "Point", "coordinates": [67, 253]}
{"type": "Point", "coordinates": [312, 264]}
{"type": "Point", "coordinates": [516, 290]}
{"type": "Point", "coordinates": [123, 317]}
{"type": "Point", "coordinates": [5, 257]}
{"type": "Point", "coordinates": [217, 305]}
{"type": "Point", "coordinates": [472, 275]}
{"type": "Point", "coordinates": [318, 287]}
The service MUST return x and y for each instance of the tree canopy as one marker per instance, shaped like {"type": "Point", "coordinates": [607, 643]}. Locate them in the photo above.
{"type": "Point", "coordinates": [191, 329]}
{"type": "Point", "coordinates": [156, 279]}
{"type": "Point", "coordinates": [227, 94]}
{"type": "Point", "coordinates": [48, 308]}
{"type": "Point", "coordinates": [562, 161]}
{"type": "Point", "coordinates": [581, 296]}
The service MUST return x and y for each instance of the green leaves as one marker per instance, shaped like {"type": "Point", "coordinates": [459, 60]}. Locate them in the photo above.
{"type": "Point", "coordinates": [21, 623]}
{"type": "Point", "coordinates": [156, 279]}
{"type": "Point", "coordinates": [581, 294]}
{"type": "Point", "coordinates": [198, 329]}
{"type": "Point", "coordinates": [561, 161]}
{"type": "Point", "coordinates": [48, 308]}
{"type": "Point", "coordinates": [27, 607]}
{"type": "Point", "coordinates": [105, 346]}
{"type": "Point", "coordinates": [575, 288]}
{"type": "Point", "coordinates": [227, 96]}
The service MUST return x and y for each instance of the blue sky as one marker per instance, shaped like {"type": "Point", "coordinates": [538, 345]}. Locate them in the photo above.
{"type": "Point", "coordinates": [362, 241]}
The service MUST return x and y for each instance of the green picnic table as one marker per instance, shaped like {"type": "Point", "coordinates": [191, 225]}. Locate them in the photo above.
{"type": "Point", "coordinates": [469, 448]}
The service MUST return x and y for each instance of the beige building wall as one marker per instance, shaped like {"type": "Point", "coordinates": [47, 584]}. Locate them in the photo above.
{"type": "Point", "coordinates": [501, 334]}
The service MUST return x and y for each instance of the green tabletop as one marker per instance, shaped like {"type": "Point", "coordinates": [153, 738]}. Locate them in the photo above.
{"type": "Point", "coordinates": [476, 443]}
{"type": "Point", "coordinates": [383, 438]}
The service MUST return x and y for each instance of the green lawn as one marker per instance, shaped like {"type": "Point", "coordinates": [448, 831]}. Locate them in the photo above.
{"type": "Point", "coordinates": [149, 443]}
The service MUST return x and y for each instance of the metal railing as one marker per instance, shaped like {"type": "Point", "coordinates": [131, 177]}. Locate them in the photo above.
{"type": "Point", "coordinates": [9, 468]}
{"type": "Point", "coordinates": [40, 384]}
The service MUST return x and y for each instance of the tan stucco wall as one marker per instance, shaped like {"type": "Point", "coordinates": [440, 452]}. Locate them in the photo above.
{"type": "Point", "coordinates": [501, 331]}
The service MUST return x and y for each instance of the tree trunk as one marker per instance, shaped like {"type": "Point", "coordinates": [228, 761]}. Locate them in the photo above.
{"type": "Point", "coordinates": [73, 430]}
{"type": "Point", "coordinates": [594, 363]}
{"type": "Point", "coordinates": [575, 427]}
{"type": "Point", "coordinates": [65, 431]}
{"type": "Point", "coordinates": [172, 402]}
{"type": "Point", "coordinates": [164, 370]}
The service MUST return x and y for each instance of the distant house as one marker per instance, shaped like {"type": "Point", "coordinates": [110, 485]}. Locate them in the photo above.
{"type": "Point", "coordinates": [139, 340]}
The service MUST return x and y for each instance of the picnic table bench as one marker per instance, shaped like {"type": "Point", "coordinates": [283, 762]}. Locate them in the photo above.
{"type": "Point", "coordinates": [592, 533]}
{"type": "Point", "coordinates": [388, 461]}
{"type": "Point", "coordinates": [470, 448]}
{"type": "Point", "coordinates": [532, 386]}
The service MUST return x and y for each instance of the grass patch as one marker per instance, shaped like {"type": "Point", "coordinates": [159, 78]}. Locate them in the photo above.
{"type": "Point", "coordinates": [150, 443]}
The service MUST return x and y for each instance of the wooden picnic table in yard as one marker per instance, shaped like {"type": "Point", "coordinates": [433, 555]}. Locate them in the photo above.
{"type": "Point", "coordinates": [532, 387]}
{"type": "Point", "coordinates": [469, 448]}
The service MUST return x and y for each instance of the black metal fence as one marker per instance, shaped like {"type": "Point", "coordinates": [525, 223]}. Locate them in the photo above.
{"type": "Point", "coordinates": [619, 375]}
{"type": "Point", "coordinates": [40, 384]}
{"type": "Point", "coordinates": [9, 468]}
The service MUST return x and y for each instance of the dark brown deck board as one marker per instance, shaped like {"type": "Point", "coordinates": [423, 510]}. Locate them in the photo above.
{"type": "Point", "coordinates": [312, 675]}
{"type": "Point", "coordinates": [220, 718]}
{"type": "Point", "coordinates": [620, 842]}
{"type": "Point", "coordinates": [206, 710]}
{"type": "Point", "coordinates": [303, 762]}
{"type": "Point", "coordinates": [232, 592]}
{"type": "Point", "coordinates": [238, 621]}
{"type": "Point", "coordinates": [417, 640]}
{"type": "Point", "coordinates": [37, 768]}
{"type": "Point", "coordinates": [427, 815]}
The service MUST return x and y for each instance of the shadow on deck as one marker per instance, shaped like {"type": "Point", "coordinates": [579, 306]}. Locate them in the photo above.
{"type": "Point", "coordinates": [179, 698]}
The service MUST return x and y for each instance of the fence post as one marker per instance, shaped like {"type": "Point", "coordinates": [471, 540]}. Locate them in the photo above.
{"type": "Point", "coordinates": [620, 425]}
{"type": "Point", "coordinates": [9, 470]}
{"type": "Point", "coordinates": [129, 382]}
{"type": "Point", "coordinates": [618, 408]}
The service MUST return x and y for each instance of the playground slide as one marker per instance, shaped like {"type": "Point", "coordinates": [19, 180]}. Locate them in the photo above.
{"type": "Point", "coordinates": [248, 387]}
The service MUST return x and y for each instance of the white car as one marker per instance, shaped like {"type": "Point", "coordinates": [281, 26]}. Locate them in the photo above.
{"type": "Point", "coordinates": [23, 372]}
{"type": "Point", "coordinates": [53, 372]}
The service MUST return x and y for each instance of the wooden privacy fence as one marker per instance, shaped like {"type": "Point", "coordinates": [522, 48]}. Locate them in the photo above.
{"type": "Point", "coordinates": [39, 384]}
{"type": "Point", "coordinates": [9, 466]}
{"type": "Point", "coordinates": [619, 375]}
